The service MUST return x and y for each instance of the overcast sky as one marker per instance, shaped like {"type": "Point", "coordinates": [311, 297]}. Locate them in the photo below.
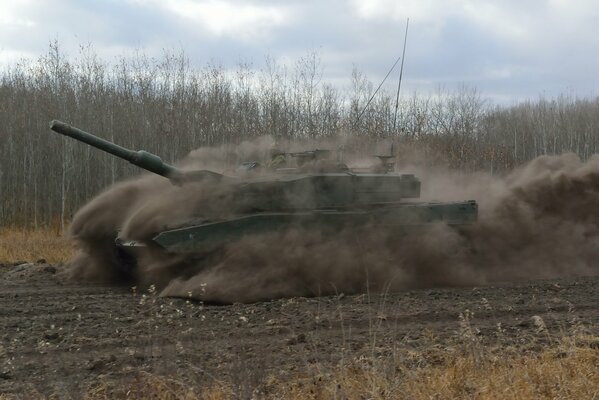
{"type": "Point", "coordinates": [510, 50]}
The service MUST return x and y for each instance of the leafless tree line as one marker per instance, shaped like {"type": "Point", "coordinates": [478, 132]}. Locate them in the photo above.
{"type": "Point", "coordinates": [168, 107]}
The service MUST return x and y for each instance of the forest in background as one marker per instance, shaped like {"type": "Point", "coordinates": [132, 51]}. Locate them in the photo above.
{"type": "Point", "coordinates": [168, 107]}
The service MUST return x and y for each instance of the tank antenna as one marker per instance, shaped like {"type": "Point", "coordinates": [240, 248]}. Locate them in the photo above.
{"type": "Point", "coordinates": [403, 57]}
{"type": "Point", "coordinates": [384, 79]}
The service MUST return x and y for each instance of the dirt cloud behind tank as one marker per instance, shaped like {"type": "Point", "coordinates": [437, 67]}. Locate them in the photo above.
{"type": "Point", "coordinates": [537, 222]}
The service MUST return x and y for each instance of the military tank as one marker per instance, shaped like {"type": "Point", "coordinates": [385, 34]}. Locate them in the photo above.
{"type": "Point", "coordinates": [313, 191]}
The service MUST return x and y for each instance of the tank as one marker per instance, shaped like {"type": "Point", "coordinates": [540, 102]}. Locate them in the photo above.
{"type": "Point", "coordinates": [305, 189]}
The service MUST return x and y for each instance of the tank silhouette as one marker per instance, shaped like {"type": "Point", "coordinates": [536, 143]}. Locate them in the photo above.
{"type": "Point", "coordinates": [316, 192]}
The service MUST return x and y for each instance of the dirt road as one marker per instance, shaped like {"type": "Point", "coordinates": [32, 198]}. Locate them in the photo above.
{"type": "Point", "coordinates": [63, 338]}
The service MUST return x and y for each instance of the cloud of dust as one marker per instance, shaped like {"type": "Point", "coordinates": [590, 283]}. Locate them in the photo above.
{"type": "Point", "coordinates": [539, 221]}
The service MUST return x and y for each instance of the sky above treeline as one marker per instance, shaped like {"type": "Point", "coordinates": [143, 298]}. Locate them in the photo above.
{"type": "Point", "coordinates": [509, 50]}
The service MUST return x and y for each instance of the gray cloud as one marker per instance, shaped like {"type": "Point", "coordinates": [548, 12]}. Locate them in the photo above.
{"type": "Point", "coordinates": [508, 49]}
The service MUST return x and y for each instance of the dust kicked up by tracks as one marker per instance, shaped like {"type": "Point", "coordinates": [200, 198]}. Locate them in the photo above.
{"type": "Point", "coordinates": [540, 221]}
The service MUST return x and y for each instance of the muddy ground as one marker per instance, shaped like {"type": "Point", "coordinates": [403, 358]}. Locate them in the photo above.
{"type": "Point", "coordinates": [63, 338]}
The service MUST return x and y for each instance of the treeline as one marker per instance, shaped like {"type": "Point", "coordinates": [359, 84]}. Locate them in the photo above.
{"type": "Point", "coordinates": [168, 107]}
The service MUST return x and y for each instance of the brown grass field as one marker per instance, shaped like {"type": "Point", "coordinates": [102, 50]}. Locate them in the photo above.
{"type": "Point", "coordinates": [20, 244]}
{"type": "Point", "coordinates": [567, 370]}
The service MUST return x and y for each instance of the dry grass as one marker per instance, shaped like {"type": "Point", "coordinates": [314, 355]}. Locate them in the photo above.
{"type": "Point", "coordinates": [22, 244]}
{"type": "Point", "coordinates": [568, 370]}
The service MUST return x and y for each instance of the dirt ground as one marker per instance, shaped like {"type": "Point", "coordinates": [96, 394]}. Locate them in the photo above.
{"type": "Point", "coordinates": [62, 338]}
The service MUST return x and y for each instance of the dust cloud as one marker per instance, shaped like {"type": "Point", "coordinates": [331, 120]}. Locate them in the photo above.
{"type": "Point", "coordinates": [539, 221]}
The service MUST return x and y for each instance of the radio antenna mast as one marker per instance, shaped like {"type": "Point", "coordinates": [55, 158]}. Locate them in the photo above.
{"type": "Point", "coordinates": [385, 78]}
{"type": "Point", "coordinates": [377, 90]}
{"type": "Point", "coordinates": [403, 57]}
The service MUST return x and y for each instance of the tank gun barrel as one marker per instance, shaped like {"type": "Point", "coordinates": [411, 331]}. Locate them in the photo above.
{"type": "Point", "coordinates": [141, 158]}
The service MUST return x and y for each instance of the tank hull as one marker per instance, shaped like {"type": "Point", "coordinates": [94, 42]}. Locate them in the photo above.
{"type": "Point", "coordinates": [200, 237]}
